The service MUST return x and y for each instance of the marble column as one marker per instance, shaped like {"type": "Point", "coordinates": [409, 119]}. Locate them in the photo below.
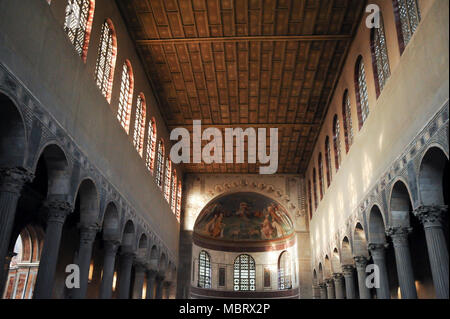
{"type": "Point", "coordinates": [316, 292]}
{"type": "Point", "coordinates": [126, 262]}
{"type": "Point", "coordinates": [57, 212]}
{"type": "Point", "coordinates": [166, 289]}
{"type": "Point", "coordinates": [323, 291]}
{"type": "Point", "coordinates": [159, 287]}
{"type": "Point", "coordinates": [11, 184]}
{"type": "Point", "coordinates": [349, 278]}
{"type": "Point", "coordinates": [361, 264]}
{"type": "Point", "coordinates": [330, 288]}
{"type": "Point", "coordinates": [432, 219]}
{"type": "Point", "coordinates": [151, 277]}
{"type": "Point", "coordinates": [139, 277]}
{"type": "Point", "coordinates": [378, 252]}
{"type": "Point", "coordinates": [109, 262]}
{"type": "Point", "coordinates": [339, 286]}
{"type": "Point", "coordinates": [405, 272]}
{"type": "Point", "coordinates": [87, 238]}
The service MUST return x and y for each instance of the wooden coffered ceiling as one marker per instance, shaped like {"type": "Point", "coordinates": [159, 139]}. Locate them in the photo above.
{"type": "Point", "coordinates": [245, 63]}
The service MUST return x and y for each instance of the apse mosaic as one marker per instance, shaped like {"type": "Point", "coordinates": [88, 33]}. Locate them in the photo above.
{"type": "Point", "coordinates": [243, 217]}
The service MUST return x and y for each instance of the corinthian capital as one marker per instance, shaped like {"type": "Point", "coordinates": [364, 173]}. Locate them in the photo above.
{"type": "Point", "coordinates": [337, 276]}
{"type": "Point", "coordinates": [399, 234]}
{"type": "Point", "coordinates": [57, 210]}
{"type": "Point", "coordinates": [12, 179]}
{"type": "Point", "coordinates": [88, 233]}
{"type": "Point", "coordinates": [347, 270]}
{"type": "Point", "coordinates": [360, 261]}
{"type": "Point", "coordinates": [377, 250]}
{"type": "Point", "coordinates": [431, 216]}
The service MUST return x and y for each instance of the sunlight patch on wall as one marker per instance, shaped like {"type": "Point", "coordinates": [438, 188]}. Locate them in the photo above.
{"type": "Point", "coordinates": [194, 205]}
{"type": "Point", "coordinates": [352, 194]}
{"type": "Point", "coordinates": [367, 172]}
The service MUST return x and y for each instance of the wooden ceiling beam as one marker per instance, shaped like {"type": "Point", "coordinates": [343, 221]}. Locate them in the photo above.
{"type": "Point", "coordinates": [247, 125]}
{"type": "Point", "coordinates": [336, 37]}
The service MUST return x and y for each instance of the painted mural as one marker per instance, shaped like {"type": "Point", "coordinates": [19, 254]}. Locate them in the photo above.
{"type": "Point", "coordinates": [244, 217]}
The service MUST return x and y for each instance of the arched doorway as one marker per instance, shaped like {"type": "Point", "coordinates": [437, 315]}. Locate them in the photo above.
{"type": "Point", "coordinates": [407, 235]}
{"type": "Point", "coordinates": [433, 214]}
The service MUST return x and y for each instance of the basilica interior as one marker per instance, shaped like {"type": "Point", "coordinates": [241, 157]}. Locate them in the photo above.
{"type": "Point", "coordinates": [94, 204]}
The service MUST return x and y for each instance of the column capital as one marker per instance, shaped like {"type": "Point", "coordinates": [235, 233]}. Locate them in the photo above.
{"type": "Point", "coordinates": [329, 281]}
{"type": "Point", "coordinates": [377, 249]}
{"type": "Point", "coordinates": [167, 284]}
{"type": "Point", "coordinates": [151, 274]}
{"type": "Point", "coordinates": [12, 179]}
{"type": "Point", "coordinates": [57, 210]}
{"type": "Point", "coordinates": [111, 246]}
{"type": "Point", "coordinates": [348, 270]}
{"type": "Point", "coordinates": [432, 215]}
{"type": "Point", "coordinates": [139, 267]}
{"type": "Point", "coordinates": [360, 261]}
{"type": "Point", "coordinates": [337, 276]}
{"type": "Point", "coordinates": [399, 234]}
{"type": "Point", "coordinates": [128, 254]}
{"type": "Point", "coordinates": [88, 233]}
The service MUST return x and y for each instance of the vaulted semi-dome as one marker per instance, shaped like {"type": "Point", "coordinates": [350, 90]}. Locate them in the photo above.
{"type": "Point", "coordinates": [246, 217]}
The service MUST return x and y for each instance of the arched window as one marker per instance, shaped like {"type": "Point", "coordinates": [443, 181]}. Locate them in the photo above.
{"type": "Point", "coordinates": [139, 124]}
{"type": "Point", "coordinates": [244, 273]}
{"type": "Point", "coordinates": [151, 146]}
{"type": "Point", "coordinates": [321, 180]}
{"type": "Point", "coordinates": [310, 199]}
{"type": "Point", "coordinates": [362, 97]}
{"type": "Point", "coordinates": [106, 60]}
{"type": "Point", "coordinates": [380, 60]}
{"type": "Point", "coordinates": [204, 270]}
{"type": "Point", "coordinates": [328, 159]}
{"type": "Point", "coordinates": [348, 126]}
{"type": "Point", "coordinates": [315, 188]}
{"type": "Point", "coordinates": [407, 18]}
{"type": "Point", "coordinates": [160, 164]}
{"type": "Point", "coordinates": [126, 96]}
{"type": "Point", "coordinates": [284, 271]}
{"type": "Point", "coordinates": [168, 178]}
{"type": "Point", "coordinates": [337, 142]}
{"type": "Point", "coordinates": [180, 189]}
{"type": "Point", "coordinates": [78, 24]}
{"type": "Point", "coordinates": [173, 197]}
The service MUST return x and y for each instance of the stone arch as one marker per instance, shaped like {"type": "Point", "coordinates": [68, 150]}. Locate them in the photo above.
{"type": "Point", "coordinates": [328, 271]}
{"type": "Point", "coordinates": [431, 176]}
{"type": "Point", "coordinates": [57, 167]}
{"type": "Point", "coordinates": [346, 252]}
{"type": "Point", "coordinates": [377, 226]}
{"type": "Point", "coordinates": [128, 237]}
{"type": "Point", "coordinates": [336, 262]}
{"type": "Point", "coordinates": [154, 258]}
{"type": "Point", "coordinates": [111, 222]}
{"type": "Point", "coordinates": [320, 278]}
{"type": "Point", "coordinates": [359, 241]}
{"type": "Point", "coordinates": [315, 282]}
{"type": "Point", "coordinates": [142, 246]}
{"type": "Point", "coordinates": [27, 246]}
{"type": "Point", "coordinates": [268, 190]}
{"type": "Point", "coordinates": [88, 200]}
{"type": "Point", "coordinates": [400, 204]}
{"type": "Point", "coordinates": [13, 142]}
